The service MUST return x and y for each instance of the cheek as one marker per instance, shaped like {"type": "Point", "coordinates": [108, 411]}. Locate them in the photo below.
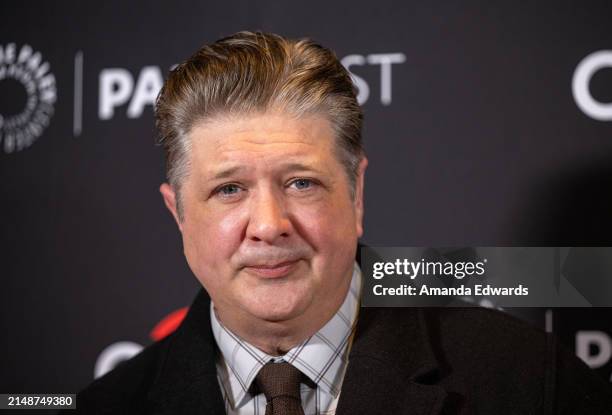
{"type": "Point", "coordinates": [210, 241]}
{"type": "Point", "coordinates": [328, 226]}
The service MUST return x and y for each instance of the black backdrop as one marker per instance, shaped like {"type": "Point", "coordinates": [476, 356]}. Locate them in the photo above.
{"type": "Point", "coordinates": [473, 131]}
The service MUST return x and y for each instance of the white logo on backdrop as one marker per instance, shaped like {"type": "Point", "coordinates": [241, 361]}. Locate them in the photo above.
{"type": "Point", "coordinates": [118, 86]}
{"type": "Point", "coordinates": [580, 85]}
{"type": "Point", "coordinates": [385, 60]}
{"type": "Point", "coordinates": [597, 356]}
{"type": "Point", "coordinates": [21, 128]}
{"type": "Point", "coordinates": [113, 355]}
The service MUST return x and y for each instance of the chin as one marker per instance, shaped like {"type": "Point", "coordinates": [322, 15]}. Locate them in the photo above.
{"type": "Point", "coordinates": [278, 315]}
{"type": "Point", "coordinates": [276, 305]}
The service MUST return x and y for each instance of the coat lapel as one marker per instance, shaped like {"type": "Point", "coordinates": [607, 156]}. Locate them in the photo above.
{"type": "Point", "coordinates": [187, 380]}
{"type": "Point", "coordinates": [392, 367]}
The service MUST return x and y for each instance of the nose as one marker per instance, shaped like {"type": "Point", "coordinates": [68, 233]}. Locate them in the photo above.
{"type": "Point", "coordinates": [269, 219]}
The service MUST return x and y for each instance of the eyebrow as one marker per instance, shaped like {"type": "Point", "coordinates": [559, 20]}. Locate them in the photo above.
{"type": "Point", "coordinates": [225, 173]}
{"type": "Point", "coordinates": [293, 166]}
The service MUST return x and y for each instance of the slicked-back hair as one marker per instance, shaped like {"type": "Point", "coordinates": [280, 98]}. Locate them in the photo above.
{"type": "Point", "coordinates": [249, 73]}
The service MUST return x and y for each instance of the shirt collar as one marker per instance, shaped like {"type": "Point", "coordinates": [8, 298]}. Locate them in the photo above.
{"type": "Point", "coordinates": [322, 357]}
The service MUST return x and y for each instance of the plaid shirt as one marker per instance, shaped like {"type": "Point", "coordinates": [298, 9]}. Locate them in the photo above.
{"type": "Point", "coordinates": [322, 358]}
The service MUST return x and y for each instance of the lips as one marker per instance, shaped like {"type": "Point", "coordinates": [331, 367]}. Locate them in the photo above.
{"type": "Point", "coordinates": [278, 270]}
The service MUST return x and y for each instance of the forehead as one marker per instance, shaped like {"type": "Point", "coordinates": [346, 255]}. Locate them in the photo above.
{"type": "Point", "coordinates": [270, 138]}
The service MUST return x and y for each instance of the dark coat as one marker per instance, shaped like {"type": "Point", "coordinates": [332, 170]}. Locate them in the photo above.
{"type": "Point", "coordinates": [402, 361]}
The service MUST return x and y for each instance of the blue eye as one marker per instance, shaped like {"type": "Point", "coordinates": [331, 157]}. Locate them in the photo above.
{"type": "Point", "coordinates": [228, 190]}
{"type": "Point", "coordinates": [302, 184]}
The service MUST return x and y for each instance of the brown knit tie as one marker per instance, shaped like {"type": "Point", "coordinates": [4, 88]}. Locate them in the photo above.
{"type": "Point", "coordinates": [280, 383]}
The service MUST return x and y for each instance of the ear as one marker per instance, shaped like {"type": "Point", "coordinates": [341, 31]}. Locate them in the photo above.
{"type": "Point", "coordinates": [359, 195]}
{"type": "Point", "coordinates": [169, 197]}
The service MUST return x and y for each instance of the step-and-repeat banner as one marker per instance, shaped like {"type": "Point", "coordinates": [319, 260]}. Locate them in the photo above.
{"type": "Point", "coordinates": [485, 125]}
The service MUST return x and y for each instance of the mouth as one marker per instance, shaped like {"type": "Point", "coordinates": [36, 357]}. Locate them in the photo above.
{"type": "Point", "coordinates": [279, 270]}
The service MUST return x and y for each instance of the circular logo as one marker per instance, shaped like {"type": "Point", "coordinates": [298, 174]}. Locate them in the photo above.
{"type": "Point", "coordinates": [29, 92]}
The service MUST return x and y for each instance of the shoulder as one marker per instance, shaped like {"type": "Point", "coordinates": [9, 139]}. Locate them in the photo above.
{"type": "Point", "coordinates": [500, 355]}
{"type": "Point", "coordinates": [126, 387]}
{"type": "Point", "coordinates": [485, 330]}
{"type": "Point", "coordinates": [181, 362]}
{"type": "Point", "coordinates": [490, 344]}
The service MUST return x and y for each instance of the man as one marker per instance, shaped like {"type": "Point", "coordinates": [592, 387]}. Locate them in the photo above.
{"type": "Point", "coordinates": [265, 175]}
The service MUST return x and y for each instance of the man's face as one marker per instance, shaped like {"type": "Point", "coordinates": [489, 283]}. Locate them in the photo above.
{"type": "Point", "coordinates": [270, 226]}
